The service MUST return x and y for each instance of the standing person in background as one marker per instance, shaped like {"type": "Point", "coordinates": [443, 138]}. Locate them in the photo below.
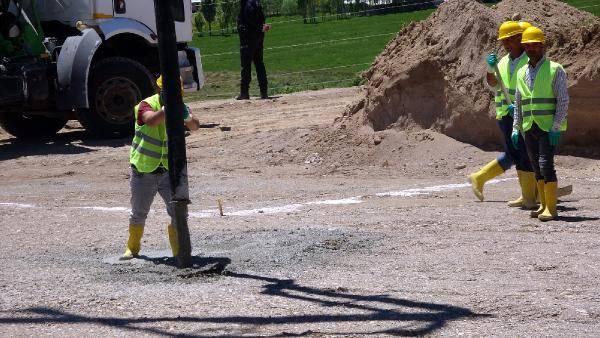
{"type": "Point", "coordinates": [541, 107]}
{"type": "Point", "coordinates": [509, 34]}
{"type": "Point", "coordinates": [150, 168]}
{"type": "Point", "coordinates": [252, 28]}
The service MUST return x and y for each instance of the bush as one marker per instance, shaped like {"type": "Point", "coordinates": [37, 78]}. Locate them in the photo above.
{"type": "Point", "coordinates": [272, 7]}
{"type": "Point", "coordinates": [198, 22]}
{"type": "Point", "coordinates": [289, 7]}
{"type": "Point", "coordinates": [209, 11]}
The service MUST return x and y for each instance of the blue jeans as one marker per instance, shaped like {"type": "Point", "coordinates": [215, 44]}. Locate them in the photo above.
{"type": "Point", "coordinates": [511, 156]}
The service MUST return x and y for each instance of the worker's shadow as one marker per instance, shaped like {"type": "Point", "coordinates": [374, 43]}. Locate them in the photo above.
{"type": "Point", "coordinates": [199, 264]}
{"type": "Point", "coordinates": [332, 308]}
{"type": "Point", "coordinates": [75, 141]}
{"type": "Point", "coordinates": [572, 219]}
{"type": "Point", "coordinates": [576, 219]}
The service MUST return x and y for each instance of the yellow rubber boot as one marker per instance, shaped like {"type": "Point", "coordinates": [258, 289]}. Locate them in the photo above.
{"type": "Point", "coordinates": [486, 173]}
{"type": "Point", "coordinates": [173, 239]}
{"type": "Point", "coordinates": [550, 199]}
{"type": "Point", "coordinates": [540, 192]}
{"type": "Point", "coordinates": [134, 243]}
{"type": "Point", "coordinates": [528, 185]}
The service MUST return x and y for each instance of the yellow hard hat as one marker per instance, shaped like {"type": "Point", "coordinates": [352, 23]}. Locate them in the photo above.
{"type": "Point", "coordinates": [159, 83]}
{"type": "Point", "coordinates": [533, 34]}
{"type": "Point", "coordinates": [508, 29]}
{"type": "Point", "coordinates": [524, 25]}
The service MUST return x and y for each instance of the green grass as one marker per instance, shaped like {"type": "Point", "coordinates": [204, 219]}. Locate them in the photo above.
{"type": "Point", "coordinates": [592, 6]}
{"type": "Point", "coordinates": [355, 48]}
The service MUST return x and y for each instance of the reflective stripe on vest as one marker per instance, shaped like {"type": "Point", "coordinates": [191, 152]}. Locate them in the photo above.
{"type": "Point", "coordinates": [149, 146]}
{"type": "Point", "coordinates": [539, 105]}
{"type": "Point", "coordinates": [510, 83]}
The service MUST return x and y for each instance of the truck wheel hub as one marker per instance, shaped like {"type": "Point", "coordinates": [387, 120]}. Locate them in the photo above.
{"type": "Point", "coordinates": [116, 98]}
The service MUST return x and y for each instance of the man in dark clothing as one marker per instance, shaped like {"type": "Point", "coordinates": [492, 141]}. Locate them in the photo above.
{"type": "Point", "coordinates": [252, 28]}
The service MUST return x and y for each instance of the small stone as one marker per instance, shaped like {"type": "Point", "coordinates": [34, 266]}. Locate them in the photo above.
{"type": "Point", "coordinates": [460, 166]}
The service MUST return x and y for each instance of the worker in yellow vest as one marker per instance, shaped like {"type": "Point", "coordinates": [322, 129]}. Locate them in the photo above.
{"type": "Point", "coordinates": [150, 168]}
{"type": "Point", "coordinates": [509, 34]}
{"type": "Point", "coordinates": [541, 104]}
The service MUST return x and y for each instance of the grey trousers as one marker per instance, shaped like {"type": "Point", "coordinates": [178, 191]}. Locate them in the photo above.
{"type": "Point", "coordinates": [143, 189]}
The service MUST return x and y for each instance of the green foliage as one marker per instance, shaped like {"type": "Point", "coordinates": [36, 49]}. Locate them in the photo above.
{"type": "Point", "coordinates": [325, 7]}
{"type": "Point", "coordinates": [230, 10]}
{"type": "Point", "coordinates": [272, 7]}
{"type": "Point", "coordinates": [289, 7]}
{"type": "Point", "coordinates": [198, 22]}
{"type": "Point", "coordinates": [220, 19]}
{"type": "Point", "coordinates": [209, 10]}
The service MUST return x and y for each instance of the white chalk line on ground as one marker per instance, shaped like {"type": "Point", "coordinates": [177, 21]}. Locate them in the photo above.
{"type": "Point", "coordinates": [288, 207]}
{"type": "Point", "coordinates": [18, 205]}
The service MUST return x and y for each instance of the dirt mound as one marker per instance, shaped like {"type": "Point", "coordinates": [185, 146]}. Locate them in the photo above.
{"type": "Point", "coordinates": [431, 75]}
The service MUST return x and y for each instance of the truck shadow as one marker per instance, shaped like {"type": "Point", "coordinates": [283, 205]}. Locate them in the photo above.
{"type": "Point", "coordinates": [66, 143]}
{"type": "Point", "coordinates": [407, 317]}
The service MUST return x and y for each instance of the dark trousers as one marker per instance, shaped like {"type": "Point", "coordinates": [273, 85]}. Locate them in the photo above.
{"type": "Point", "coordinates": [251, 50]}
{"type": "Point", "coordinates": [541, 154]}
{"type": "Point", "coordinates": [511, 156]}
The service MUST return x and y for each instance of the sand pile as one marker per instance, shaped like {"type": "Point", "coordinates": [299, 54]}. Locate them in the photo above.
{"type": "Point", "coordinates": [431, 75]}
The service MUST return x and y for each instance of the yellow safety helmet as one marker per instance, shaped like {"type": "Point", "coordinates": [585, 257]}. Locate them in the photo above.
{"type": "Point", "coordinates": [160, 84]}
{"type": "Point", "coordinates": [524, 25]}
{"type": "Point", "coordinates": [532, 35]}
{"type": "Point", "coordinates": [508, 29]}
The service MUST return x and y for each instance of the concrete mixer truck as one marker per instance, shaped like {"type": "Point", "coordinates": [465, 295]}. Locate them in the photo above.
{"type": "Point", "coordinates": [86, 60]}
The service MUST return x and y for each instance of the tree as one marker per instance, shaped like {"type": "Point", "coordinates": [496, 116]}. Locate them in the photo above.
{"type": "Point", "coordinates": [302, 4]}
{"type": "Point", "coordinates": [289, 7]}
{"type": "Point", "coordinates": [271, 7]}
{"type": "Point", "coordinates": [209, 10]}
{"type": "Point", "coordinates": [198, 22]}
{"type": "Point", "coordinates": [311, 7]}
{"type": "Point", "coordinates": [230, 10]}
{"type": "Point", "coordinates": [325, 7]}
{"type": "Point", "coordinates": [308, 10]}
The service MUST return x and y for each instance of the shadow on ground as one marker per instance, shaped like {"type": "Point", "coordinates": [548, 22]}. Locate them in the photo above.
{"type": "Point", "coordinates": [70, 142]}
{"type": "Point", "coordinates": [413, 318]}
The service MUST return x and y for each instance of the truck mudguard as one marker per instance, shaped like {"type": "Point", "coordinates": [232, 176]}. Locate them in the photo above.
{"type": "Point", "coordinates": [116, 26]}
{"type": "Point", "coordinates": [73, 67]}
{"type": "Point", "coordinates": [76, 55]}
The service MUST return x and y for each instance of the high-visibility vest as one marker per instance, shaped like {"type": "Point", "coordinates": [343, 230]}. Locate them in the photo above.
{"type": "Point", "coordinates": [149, 146]}
{"type": "Point", "coordinates": [510, 83]}
{"type": "Point", "coordinates": [539, 105]}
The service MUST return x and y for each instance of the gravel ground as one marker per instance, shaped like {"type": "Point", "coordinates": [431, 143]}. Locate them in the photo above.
{"type": "Point", "coordinates": [305, 248]}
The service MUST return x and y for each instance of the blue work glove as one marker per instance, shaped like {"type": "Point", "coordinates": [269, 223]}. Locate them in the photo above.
{"type": "Point", "coordinates": [511, 109]}
{"type": "Point", "coordinates": [515, 138]}
{"type": "Point", "coordinates": [492, 61]}
{"type": "Point", "coordinates": [554, 137]}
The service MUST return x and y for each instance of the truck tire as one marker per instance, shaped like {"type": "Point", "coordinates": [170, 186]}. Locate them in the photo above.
{"type": "Point", "coordinates": [116, 85]}
{"type": "Point", "coordinates": [30, 127]}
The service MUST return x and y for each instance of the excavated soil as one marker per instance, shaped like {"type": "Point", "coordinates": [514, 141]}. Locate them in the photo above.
{"type": "Point", "coordinates": [431, 75]}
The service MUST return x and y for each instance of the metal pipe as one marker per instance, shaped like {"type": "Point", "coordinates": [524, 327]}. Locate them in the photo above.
{"type": "Point", "coordinates": [173, 102]}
